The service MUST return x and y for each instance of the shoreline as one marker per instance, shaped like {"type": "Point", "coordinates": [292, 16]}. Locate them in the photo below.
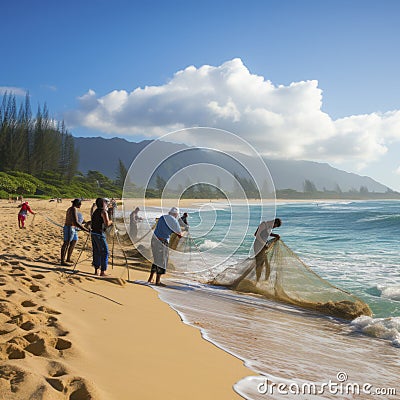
{"type": "Point", "coordinates": [92, 337]}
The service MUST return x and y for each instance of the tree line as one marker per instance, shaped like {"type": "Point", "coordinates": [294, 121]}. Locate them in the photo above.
{"type": "Point", "coordinates": [38, 156]}
{"type": "Point", "coordinates": [37, 144]}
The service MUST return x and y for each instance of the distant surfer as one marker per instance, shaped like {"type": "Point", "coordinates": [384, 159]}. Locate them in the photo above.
{"type": "Point", "coordinates": [262, 244]}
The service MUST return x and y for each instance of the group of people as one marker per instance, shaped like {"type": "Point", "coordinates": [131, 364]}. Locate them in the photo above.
{"type": "Point", "coordinates": [167, 225]}
{"type": "Point", "coordinates": [170, 224]}
{"type": "Point", "coordinates": [100, 221]}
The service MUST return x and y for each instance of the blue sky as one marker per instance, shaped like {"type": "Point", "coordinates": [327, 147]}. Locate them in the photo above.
{"type": "Point", "coordinates": [323, 74]}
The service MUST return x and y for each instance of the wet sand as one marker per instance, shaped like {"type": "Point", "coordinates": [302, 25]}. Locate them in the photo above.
{"type": "Point", "coordinates": [80, 336]}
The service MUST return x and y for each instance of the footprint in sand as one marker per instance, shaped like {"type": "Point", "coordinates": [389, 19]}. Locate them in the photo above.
{"type": "Point", "coordinates": [48, 310]}
{"type": "Point", "coordinates": [25, 321]}
{"type": "Point", "coordinates": [14, 375]}
{"type": "Point", "coordinates": [38, 276]}
{"type": "Point", "coordinates": [74, 387]}
{"type": "Point", "coordinates": [62, 344]}
{"type": "Point", "coordinates": [38, 347]}
{"type": "Point", "coordinates": [28, 303]}
{"type": "Point", "coordinates": [8, 308]}
{"type": "Point", "coordinates": [56, 369]}
{"type": "Point", "coordinates": [11, 351]}
{"type": "Point", "coordinates": [34, 288]}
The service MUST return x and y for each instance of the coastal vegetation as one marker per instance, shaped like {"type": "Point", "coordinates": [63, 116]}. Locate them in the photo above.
{"type": "Point", "coordinates": [39, 158]}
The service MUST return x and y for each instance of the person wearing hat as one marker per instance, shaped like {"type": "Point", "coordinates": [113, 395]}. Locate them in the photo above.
{"type": "Point", "coordinates": [73, 221]}
{"type": "Point", "coordinates": [100, 222]}
{"type": "Point", "coordinates": [166, 225]}
{"type": "Point", "coordinates": [23, 213]}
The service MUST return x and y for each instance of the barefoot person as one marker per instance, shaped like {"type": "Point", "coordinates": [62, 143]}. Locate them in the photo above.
{"type": "Point", "coordinates": [100, 222]}
{"type": "Point", "coordinates": [166, 225]}
{"type": "Point", "coordinates": [262, 244]}
{"type": "Point", "coordinates": [73, 221]}
{"type": "Point", "coordinates": [23, 213]}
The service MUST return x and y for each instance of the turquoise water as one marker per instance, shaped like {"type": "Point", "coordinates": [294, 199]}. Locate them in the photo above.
{"type": "Point", "coordinates": [354, 245]}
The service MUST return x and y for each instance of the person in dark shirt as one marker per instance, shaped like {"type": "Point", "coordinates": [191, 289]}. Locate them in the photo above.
{"type": "Point", "coordinates": [100, 221]}
{"type": "Point", "coordinates": [183, 221]}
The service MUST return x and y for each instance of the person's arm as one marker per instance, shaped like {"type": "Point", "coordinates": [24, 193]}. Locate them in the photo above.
{"type": "Point", "coordinates": [178, 230]}
{"type": "Point", "coordinates": [275, 235]}
{"type": "Point", "coordinates": [107, 221]}
{"type": "Point", "coordinates": [76, 222]}
{"type": "Point", "coordinates": [29, 209]}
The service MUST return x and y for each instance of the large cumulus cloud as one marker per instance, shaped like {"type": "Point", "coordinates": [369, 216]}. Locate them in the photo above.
{"type": "Point", "coordinates": [280, 121]}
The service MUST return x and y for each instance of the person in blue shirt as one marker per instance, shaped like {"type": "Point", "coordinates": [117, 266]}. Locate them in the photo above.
{"type": "Point", "coordinates": [166, 225]}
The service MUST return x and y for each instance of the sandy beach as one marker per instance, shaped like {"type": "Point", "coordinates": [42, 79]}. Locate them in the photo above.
{"type": "Point", "coordinates": [79, 336]}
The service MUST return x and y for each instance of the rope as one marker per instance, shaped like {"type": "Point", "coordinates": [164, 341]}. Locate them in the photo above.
{"type": "Point", "coordinates": [33, 220]}
{"type": "Point", "coordinates": [138, 240]}
{"type": "Point", "coordinates": [50, 220]}
{"type": "Point", "coordinates": [79, 256]}
{"type": "Point", "coordinates": [201, 255]}
{"type": "Point", "coordinates": [123, 251]}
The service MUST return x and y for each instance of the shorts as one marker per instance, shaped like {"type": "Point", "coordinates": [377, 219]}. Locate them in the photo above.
{"type": "Point", "coordinates": [70, 233]}
{"type": "Point", "coordinates": [158, 270]}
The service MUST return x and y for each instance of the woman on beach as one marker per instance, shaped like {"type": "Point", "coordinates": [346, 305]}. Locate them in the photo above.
{"type": "Point", "coordinates": [100, 221]}
{"type": "Point", "coordinates": [23, 213]}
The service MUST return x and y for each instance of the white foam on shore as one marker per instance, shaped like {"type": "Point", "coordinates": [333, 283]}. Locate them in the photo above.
{"type": "Point", "coordinates": [208, 244]}
{"type": "Point", "coordinates": [382, 328]}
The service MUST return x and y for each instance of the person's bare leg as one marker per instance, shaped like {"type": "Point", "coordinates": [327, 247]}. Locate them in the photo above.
{"type": "Point", "coordinates": [150, 280]}
{"type": "Point", "coordinates": [70, 250]}
{"type": "Point", "coordinates": [158, 281]}
{"type": "Point", "coordinates": [64, 248]}
{"type": "Point", "coordinates": [267, 269]}
{"type": "Point", "coordinates": [260, 260]}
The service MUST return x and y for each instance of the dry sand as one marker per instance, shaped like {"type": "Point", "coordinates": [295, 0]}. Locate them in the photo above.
{"type": "Point", "coordinates": [79, 336]}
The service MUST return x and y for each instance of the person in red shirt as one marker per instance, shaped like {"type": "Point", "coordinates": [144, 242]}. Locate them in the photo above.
{"type": "Point", "coordinates": [23, 212]}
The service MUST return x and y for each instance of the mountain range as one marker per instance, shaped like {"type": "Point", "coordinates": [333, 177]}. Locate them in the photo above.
{"type": "Point", "coordinates": [103, 155]}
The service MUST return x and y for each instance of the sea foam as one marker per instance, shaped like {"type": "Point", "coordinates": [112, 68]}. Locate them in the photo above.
{"type": "Point", "coordinates": [383, 328]}
{"type": "Point", "coordinates": [390, 292]}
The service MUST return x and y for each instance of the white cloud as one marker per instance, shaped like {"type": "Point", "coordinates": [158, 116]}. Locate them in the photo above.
{"type": "Point", "coordinates": [280, 121]}
{"type": "Point", "coordinates": [397, 172]}
{"type": "Point", "coordinates": [12, 89]}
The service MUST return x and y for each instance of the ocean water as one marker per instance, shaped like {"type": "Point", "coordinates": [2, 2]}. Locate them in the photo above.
{"type": "Point", "coordinates": [353, 245]}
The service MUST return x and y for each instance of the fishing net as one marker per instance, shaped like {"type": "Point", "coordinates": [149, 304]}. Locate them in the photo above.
{"type": "Point", "coordinates": [277, 273]}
